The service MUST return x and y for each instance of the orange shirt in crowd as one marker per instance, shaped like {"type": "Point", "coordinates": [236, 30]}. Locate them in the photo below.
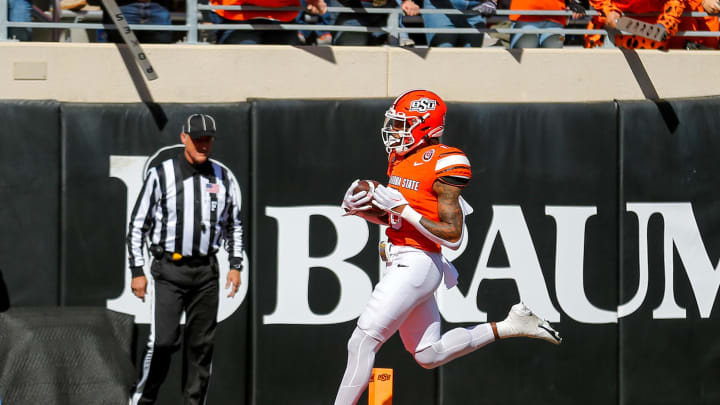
{"type": "Point", "coordinates": [699, 24]}
{"type": "Point", "coordinates": [249, 15]}
{"type": "Point", "coordinates": [538, 5]}
{"type": "Point", "coordinates": [669, 15]}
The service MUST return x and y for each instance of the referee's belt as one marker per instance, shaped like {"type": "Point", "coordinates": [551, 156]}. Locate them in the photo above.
{"type": "Point", "coordinates": [177, 258]}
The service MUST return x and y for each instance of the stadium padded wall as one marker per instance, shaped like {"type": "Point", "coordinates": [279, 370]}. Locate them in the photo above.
{"type": "Point", "coordinates": [53, 355]}
{"type": "Point", "coordinates": [668, 350]}
{"type": "Point", "coordinates": [30, 194]}
{"type": "Point", "coordinates": [579, 208]}
{"type": "Point", "coordinates": [535, 166]}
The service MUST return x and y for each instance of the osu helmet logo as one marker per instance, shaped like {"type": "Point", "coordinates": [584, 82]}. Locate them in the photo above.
{"type": "Point", "coordinates": [383, 377]}
{"type": "Point", "coordinates": [422, 105]}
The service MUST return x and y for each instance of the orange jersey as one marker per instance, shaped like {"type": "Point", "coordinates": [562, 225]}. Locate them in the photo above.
{"type": "Point", "coordinates": [285, 16]}
{"type": "Point", "coordinates": [709, 23]}
{"type": "Point", "coordinates": [538, 5]}
{"type": "Point", "coordinates": [414, 177]}
{"type": "Point", "coordinates": [669, 11]}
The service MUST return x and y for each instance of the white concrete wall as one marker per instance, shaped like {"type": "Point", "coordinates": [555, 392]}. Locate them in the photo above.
{"type": "Point", "coordinates": [207, 73]}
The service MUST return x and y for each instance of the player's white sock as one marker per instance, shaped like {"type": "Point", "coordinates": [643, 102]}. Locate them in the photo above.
{"type": "Point", "coordinates": [455, 343]}
{"type": "Point", "coordinates": [361, 357]}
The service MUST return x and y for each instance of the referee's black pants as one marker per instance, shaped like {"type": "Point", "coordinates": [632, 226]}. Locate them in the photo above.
{"type": "Point", "coordinates": [190, 285]}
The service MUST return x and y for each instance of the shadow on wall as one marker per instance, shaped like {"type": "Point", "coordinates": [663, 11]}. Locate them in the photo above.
{"type": "Point", "coordinates": [4, 297]}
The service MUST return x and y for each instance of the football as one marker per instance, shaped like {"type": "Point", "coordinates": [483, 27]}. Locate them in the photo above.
{"type": "Point", "coordinates": [369, 186]}
{"type": "Point", "coordinates": [366, 185]}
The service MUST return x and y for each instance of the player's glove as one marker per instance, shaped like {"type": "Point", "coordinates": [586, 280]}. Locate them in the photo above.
{"type": "Point", "coordinates": [354, 202]}
{"type": "Point", "coordinates": [487, 8]}
{"type": "Point", "coordinates": [387, 198]}
{"type": "Point", "coordinates": [575, 7]}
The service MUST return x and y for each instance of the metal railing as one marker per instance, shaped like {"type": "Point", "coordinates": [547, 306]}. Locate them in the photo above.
{"type": "Point", "coordinates": [192, 22]}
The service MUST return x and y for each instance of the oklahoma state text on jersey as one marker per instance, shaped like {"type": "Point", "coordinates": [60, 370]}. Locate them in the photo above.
{"type": "Point", "coordinates": [414, 176]}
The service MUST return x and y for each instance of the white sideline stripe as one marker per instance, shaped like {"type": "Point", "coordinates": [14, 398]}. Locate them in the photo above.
{"type": "Point", "coordinates": [451, 161]}
{"type": "Point", "coordinates": [151, 347]}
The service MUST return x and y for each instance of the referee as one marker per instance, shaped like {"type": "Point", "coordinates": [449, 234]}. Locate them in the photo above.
{"type": "Point", "coordinates": [187, 205]}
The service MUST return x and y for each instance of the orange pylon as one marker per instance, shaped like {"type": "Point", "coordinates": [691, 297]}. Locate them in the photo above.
{"type": "Point", "coordinates": [380, 389]}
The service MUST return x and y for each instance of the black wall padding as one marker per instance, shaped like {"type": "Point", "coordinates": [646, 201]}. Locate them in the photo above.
{"type": "Point", "coordinates": [96, 224]}
{"type": "Point", "coordinates": [59, 356]}
{"type": "Point", "coordinates": [65, 225]}
{"type": "Point", "coordinates": [534, 156]}
{"type": "Point", "coordinates": [526, 155]}
{"type": "Point", "coordinates": [29, 200]}
{"type": "Point", "coordinates": [670, 361]}
{"type": "Point", "coordinates": [4, 296]}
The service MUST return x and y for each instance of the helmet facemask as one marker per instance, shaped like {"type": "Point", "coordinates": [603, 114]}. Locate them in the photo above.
{"type": "Point", "coordinates": [397, 132]}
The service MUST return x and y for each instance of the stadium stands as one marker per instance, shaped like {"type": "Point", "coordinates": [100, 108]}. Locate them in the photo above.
{"type": "Point", "coordinates": [191, 25]}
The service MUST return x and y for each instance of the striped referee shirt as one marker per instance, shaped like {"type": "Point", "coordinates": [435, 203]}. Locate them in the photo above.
{"type": "Point", "coordinates": [186, 209]}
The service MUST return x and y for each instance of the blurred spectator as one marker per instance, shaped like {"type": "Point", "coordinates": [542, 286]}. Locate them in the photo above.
{"type": "Point", "coordinates": [73, 4]}
{"type": "Point", "coordinates": [543, 40]}
{"type": "Point", "coordinates": [410, 8]}
{"type": "Point", "coordinates": [483, 8]}
{"type": "Point", "coordinates": [151, 12]}
{"type": "Point", "coordinates": [668, 17]}
{"type": "Point", "coordinates": [709, 23]}
{"type": "Point", "coordinates": [363, 20]}
{"type": "Point", "coordinates": [19, 11]}
{"type": "Point", "coordinates": [276, 37]}
{"type": "Point", "coordinates": [315, 37]}
{"type": "Point", "coordinates": [711, 6]}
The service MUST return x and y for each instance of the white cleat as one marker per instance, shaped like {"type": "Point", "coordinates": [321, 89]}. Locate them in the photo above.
{"type": "Point", "coordinates": [521, 321]}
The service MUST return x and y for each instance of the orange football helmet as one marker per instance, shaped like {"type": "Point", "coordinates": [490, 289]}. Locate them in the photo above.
{"type": "Point", "coordinates": [414, 115]}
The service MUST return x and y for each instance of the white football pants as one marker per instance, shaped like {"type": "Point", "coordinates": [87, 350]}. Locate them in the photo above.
{"type": "Point", "coordinates": [404, 300]}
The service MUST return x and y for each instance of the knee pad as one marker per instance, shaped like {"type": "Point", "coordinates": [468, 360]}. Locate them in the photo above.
{"type": "Point", "coordinates": [361, 356]}
{"type": "Point", "coordinates": [448, 347]}
{"type": "Point", "coordinates": [362, 342]}
{"type": "Point", "coordinates": [426, 358]}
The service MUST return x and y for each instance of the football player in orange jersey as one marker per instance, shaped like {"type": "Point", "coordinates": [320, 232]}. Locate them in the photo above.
{"type": "Point", "coordinates": [424, 212]}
